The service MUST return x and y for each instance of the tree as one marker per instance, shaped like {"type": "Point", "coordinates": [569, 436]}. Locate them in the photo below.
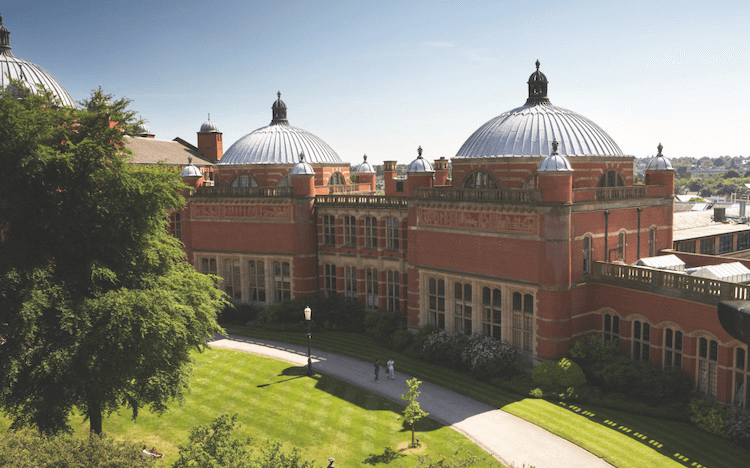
{"type": "Point", "coordinates": [98, 307]}
{"type": "Point", "coordinates": [413, 412]}
{"type": "Point", "coordinates": [216, 445]}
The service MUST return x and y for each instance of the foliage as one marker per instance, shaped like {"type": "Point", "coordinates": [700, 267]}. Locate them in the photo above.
{"type": "Point", "coordinates": [26, 448]}
{"type": "Point", "coordinates": [333, 313]}
{"type": "Point", "coordinates": [482, 356]}
{"type": "Point", "coordinates": [561, 379]}
{"type": "Point", "coordinates": [460, 459]}
{"type": "Point", "coordinates": [383, 326]}
{"type": "Point", "coordinates": [239, 314]}
{"type": "Point", "coordinates": [215, 445]}
{"type": "Point", "coordinates": [97, 304]}
{"type": "Point", "coordinates": [738, 428]}
{"type": "Point", "coordinates": [710, 416]}
{"type": "Point", "coordinates": [413, 412]}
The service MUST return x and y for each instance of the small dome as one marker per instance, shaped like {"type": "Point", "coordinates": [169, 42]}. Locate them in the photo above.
{"type": "Point", "coordinates": [279, 143]}
{"type": "Point", "coordinates": [31, 75]}
{"type": "Point", "coordinates": [190, 170]}
{"type": "Point", "coordinates": [420, 164]}
{"type": "Point", "coordinates": [555, 162]}
{"type": "Point", "coordinates": [209, 126]}
{"type": "Point", "coordinates": [364, 168]}
{"type": "Point", "coordinates": [659, 162]}
{"type": "Point", "coordinates": [302, 167]}
{"type": "Point", "coordinates": [143, 130]}
{"type": "Point", "coordinates": [529, 130]}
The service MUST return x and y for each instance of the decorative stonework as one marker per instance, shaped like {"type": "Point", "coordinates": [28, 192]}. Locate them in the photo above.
{"type": "Point", "coordinates": [241, 211]}
{"type": "Point", "coordinates": [482, 221]}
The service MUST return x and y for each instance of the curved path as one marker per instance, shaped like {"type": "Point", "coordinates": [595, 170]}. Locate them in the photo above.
{"type": "Point", "coordinates": [512, 440]}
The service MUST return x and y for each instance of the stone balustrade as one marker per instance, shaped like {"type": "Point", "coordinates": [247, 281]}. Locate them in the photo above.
{"type": "Point", "coordinates": [479, 195]}
{"type": "Point", "coordinates": [362, 201]}
{"type": "Point", "coordinates": [233, 192]}
{"type": "Point", "coordinates": [670, 283]}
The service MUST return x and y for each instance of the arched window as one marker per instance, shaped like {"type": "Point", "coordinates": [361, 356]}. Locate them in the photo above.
{"type": "Point", "coordinates": [641, 341]}
{"type": "Point", "coordinates": [284, 181]}
{"type": "Point", "coordinates": [611, 179]}
{"type": "Point", "coordinates": [479, 180]}
{"type": "Point", "coordinates": [336, 179]}
{"type": "Point", "coordinates": [672, 348]}
{"type": "Point", "coordinates": [243, 180]}
{"type": "Point", "coordinates": [611, 328]}
{"type": "Point", "coordinates": [708, 366]}
{"type": "Point", "coordinates": [741, 378]}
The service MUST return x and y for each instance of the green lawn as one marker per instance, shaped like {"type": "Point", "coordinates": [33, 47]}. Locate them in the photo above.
{"type": "Point", "coordinates": [625, 440]}
{"type": "Point", "coordinates": [321, 416]}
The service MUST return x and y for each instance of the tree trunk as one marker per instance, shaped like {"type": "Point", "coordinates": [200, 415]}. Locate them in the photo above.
{"type": "Point", "coordinates": [413, 444]}
{"type": "Point", "coordinates": [95, 416]}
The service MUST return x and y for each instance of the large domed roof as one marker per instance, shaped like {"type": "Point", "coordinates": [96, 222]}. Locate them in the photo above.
{"type": "Point", "coordinates": [31, 75]}
{"type": "Point", "coordinates": [279, 143]}
{"type": "Point", "coordinates": [529, 130]}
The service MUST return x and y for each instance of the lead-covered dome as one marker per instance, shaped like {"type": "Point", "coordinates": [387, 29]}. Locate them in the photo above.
{"type": "Point", "coordinates": [209, 126]}
{"type": "Point", "coordinates": [529, 130]}
{"type": "Point", "coordinates": [30, 74]}
{"type": "Point", "coordinates": [659, 162]}
{"type": "Point", "coordinates": [279, 143]}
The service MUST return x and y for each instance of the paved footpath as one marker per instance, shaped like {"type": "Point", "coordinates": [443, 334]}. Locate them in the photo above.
{"type": "Point", "coordinates": [512, 440]}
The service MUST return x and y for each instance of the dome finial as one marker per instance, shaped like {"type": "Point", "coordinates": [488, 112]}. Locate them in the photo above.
{"type": "Point", "coordinates": [419, 152]}
{"type": "Point", "coordinates": [555, 144]}
{"type": "Point", "coordinates": [278, 110]}
{"type": "Point", "coordinates": [537, 88]}
{"type": "Point", "coordinates": [4, 39]}
{"type": "Point", "coordinates": [364, 158]}
{"type": "Point", "coordinates": [660, 147]}
{"type": "Point", "coordinates": [190, 160]}
{"type": "Point", "coordinates": [537, 64]}
{"type": "Point", "coordinates": [209, 116]}
{"type": "Point", "coordinates": [301, 156]}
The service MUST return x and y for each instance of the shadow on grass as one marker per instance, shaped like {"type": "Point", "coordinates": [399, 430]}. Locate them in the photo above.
{"type": "Point", "coordinates": [387, 456]}
{"type": "Point", "coordinates": [652, 440]}
{"type": "Point", "coordinates": [296, 372]}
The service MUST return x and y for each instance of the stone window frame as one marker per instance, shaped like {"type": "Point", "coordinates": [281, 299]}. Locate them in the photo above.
{"type": "Point", "coordinates": [392, 233]}
{"type": "Point", "coordinates": [350, 231]}
{"type": "Point", "coordinates": [371, 232]}
{"type": "Point", "coordinates": [256, 280]}
{"type": "Point", "coordinates": [640, 340]}
{"type": "Point", "coordinates": [492, 312]}
{"type": "Point", "coordinates": [611, 327]}
{"type": "Point", "coordinates": [350, 282]}
{"type": "Point", "coordinates": [707, 365]}
{"type": "Point", "coordinates": [674, 339]}
{"type": "Point", "coordinates": [741, 379]}
{"type": "Point", "coordinates": [329, 280]}
{"type": "Point", "coordinates": [393, 291]}
{"type": "Point", "coordinates": [372, 300]}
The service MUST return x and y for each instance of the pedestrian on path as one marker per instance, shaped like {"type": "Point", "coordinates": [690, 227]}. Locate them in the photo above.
{"type": "Point", "coordinates": [390, 373]}
{"type": "Point", "coordinates": [377, 370]}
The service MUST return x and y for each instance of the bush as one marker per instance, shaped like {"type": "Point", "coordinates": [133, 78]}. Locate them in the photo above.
{"type": "Point", "coordinates": [560, 379]}
{"type": "Point", "coordinates": [239, 314]}
{"type": "Point", "coordinates": [383, 326]}
{"type": "Point", "coordinates": [710, 416]}
{"type": "Point", "coordinates": [335, 313]}
{"type": "Point", "coordinates": [483, 357]}
{"type": "Point", "coordinates": [26, 448]}
{"type": "Point", "coordinates": [593, 354]}
{"type": "Point", "coordinates": [738, 428]}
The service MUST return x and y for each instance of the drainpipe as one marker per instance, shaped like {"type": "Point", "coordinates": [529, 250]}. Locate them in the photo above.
{"type": "Point", "coordinates": [606, 235]}
{"type": "Point", "coordinates": [639, 232]}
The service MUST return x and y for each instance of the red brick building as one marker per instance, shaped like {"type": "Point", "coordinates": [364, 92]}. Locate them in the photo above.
{"type": "Point", "coordinates": [525, 235]}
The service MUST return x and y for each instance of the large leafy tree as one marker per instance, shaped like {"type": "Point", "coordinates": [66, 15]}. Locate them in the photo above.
{"type": "Point", "coordinates": [98, 307]}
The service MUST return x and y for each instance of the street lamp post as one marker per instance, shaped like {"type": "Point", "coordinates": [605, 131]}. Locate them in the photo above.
{"type": "Point", "coordinates": [308, 317]}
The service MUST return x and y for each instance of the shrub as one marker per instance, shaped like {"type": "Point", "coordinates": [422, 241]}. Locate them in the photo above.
{"type": "Point", "coordinates": [560, 379]}
{"type": "Point", "coordinates": [402, 339]}
{"type": "Point", "coordinates": [239, 314]}
{"type": "Point", "coordinates": [710, 416]}
{"type": "Point", "coordinates": [483, 357]}
{"type": "Point", "coordinates": [593, 354]}
{"type": "Point", "coordinates": [383, 326]}
{"type": "Point", "coordinates": [738, 428]}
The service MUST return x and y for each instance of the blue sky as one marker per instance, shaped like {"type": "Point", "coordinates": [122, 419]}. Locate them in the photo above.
{"type": "Point", "coordinates": [383, 78]}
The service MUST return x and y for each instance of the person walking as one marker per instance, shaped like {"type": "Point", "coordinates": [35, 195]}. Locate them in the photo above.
{"type": "Point", "coordinates": [377, 370]}
{"type": "Point", "coordinates": [391, 375]}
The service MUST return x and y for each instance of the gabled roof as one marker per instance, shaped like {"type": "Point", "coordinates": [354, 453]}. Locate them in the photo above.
{"type": "Point", "coordinates": [151, 151]}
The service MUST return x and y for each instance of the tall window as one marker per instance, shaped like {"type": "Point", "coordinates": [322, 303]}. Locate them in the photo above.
{"type": "Point", "coordinates": [587, 255]}
{"type": "Point", "coordinates": [611, 179]}
{"type": "Point", "coordinates": [652, 242]}
{"type": "Point", "coordinates": [741, 378]}
{"type": "Point", "coordinates": [611, 329]}
{"type": "Point", "coordinates": [208, 266]}
{"type": "Point", "coordinates": [436, 300]}
{"type": "Point", "coordinates": [708, 365]}
{"type": "Point", "coordinates": [480, 180]}
{"type": "Point", "coordinates": [371, 288]}
{"type": "Point", "coordinates": [394, 291]}
{"type": "Point", "coordinates": [462, 307]}
{"type": "Point", "coordinates": [686, 246]}
{"type": "Point", "coordinates": [350, 231]}
{"type": "Point", "coordinates": [243, 180]}
{"type": "Point", "coordinates": [523, 321]}
{"type": "Point", "coordinates": [641, 340]}
{"type": "Point", "coordinates": [329, 280]}
{"type": "Point", "coordinates": [672, 348]}
{"type": "Point", "coordinates": [329, 233]}
{"type": "Point", "coordinates": [391, 233]}
{"type": "Point", "coordinates": [232, 279]}
{"type": "Point", "coordinates": [371, 232]}
{"type": "Point", "coordinates": [350, 282]}
{"type": "Point", "coordinates": [492, 313]}
{"type": "Point", "coordinates": [708, 246]}
{"type": "Point", "coordinates": [621, 246]}
{"type": "Point", "coordinates": [743, 240]}
{"type": "Point", "coordinates": [725, 243]}
{"type": "Point", "coordinates": [282, 281]}
{"type": "Point", "coordinates": [256, 277]}
{"type": "Point", "coordinates": [178, 226]}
